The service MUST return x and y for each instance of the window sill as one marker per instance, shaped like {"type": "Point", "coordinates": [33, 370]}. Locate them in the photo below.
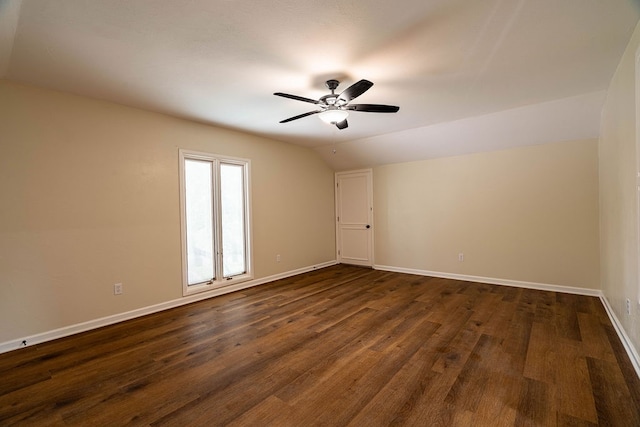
{"type": "Point", "coordinates": [220, 284]}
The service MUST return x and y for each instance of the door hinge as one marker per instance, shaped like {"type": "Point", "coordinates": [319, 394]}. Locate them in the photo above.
{"type": "Point", "coordinates": [338, 251]}
{"type": "Point", "coordinates": [338, 219]}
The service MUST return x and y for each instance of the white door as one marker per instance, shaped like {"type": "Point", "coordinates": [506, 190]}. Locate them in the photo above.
{"type": "Point", "coordinates": [354, 217]}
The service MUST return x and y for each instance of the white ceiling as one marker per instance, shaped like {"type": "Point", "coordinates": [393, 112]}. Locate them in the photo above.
{"type": "Point", "coordinates": [468, 75]}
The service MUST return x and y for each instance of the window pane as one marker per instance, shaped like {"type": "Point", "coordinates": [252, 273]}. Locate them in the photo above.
{"type": "Point", "coordinates": [199, 221]}
{"type": "Point", "coordinates": [232, 200]}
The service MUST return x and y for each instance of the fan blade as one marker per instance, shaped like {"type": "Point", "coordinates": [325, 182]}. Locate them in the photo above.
{"type": "Point", "coordinates": [342, 125]}
{"type": "Point", "coordinates": [296, 97]}
{"type": "Point", "coordinates": [373, 108]}
{"type": "Point", "coordinates": [300, 116]}
{"type": "Point", "coordinates": [355, 90]}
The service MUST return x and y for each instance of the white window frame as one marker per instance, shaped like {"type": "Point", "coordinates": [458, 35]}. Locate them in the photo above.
{"type": "Point", "coordinates": [219, 281]}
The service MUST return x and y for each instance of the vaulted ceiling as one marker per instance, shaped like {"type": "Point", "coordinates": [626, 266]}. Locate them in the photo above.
{"type": "Point", "coordinates": [468, 75]}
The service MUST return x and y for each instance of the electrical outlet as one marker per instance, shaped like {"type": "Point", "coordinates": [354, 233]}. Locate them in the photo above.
{"type": "Point", "coordinates": [117, 289]}
{"type": "Point", "coordinates": [278, 258]}
{"type": "Point", "coordinates": [628, 307]}
{"type": "Point", "coordinates": [460, 257]}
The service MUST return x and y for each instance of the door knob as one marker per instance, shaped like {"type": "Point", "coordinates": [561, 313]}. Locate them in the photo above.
{"type": "Point", "coordinates": [368, 226]}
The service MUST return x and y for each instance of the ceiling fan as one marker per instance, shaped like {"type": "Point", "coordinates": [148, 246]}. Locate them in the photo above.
{"type": "Point", "coordinates": [334, 108]}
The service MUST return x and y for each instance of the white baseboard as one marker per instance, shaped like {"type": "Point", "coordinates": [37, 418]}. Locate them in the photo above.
{"type": "Point", "coordinates": [624, 338]}
{"type": "Point", "coordinates": [116, 318]}
{"type": "Point", "coordinates": [494, 281]}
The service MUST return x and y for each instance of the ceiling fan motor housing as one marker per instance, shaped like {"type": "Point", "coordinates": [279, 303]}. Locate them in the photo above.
{"type": "Point", "coordinates": [332, 85]}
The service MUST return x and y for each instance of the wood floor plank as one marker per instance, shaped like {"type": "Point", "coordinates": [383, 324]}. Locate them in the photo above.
{"type": "Point", "coordinates": [271, 411]}
{"type": "Point", "coordinates": [516, 341]}
{"type": "Point", "coordinates": [484, 309]}
{"type": "Point", "coordinates": [536, 406]}
{"type": "Point", "coordinates": [398, 398]}
{"type": "Point", "coordinates": [595, 341]}
{"type": "Point", "coordinates": [609, 389]}
{"type": "Point", "coordinates": [540, 363]}
{"type": "Point", "coordinates": [567, 316]}
{"type": "Point", "coordinates": [337, 394]}
{"type": "Point", "coordinates": [498, 324]}
{"type": "Point", "coordinates": [337, 346]}
{"type": "Point", "coordinates": [565, 420]}
{"type": "Point", "coordinates": [470, 383]}
{"type": "Point", "coordinates": [624, 364]}
{"type": "Point", "coordinates": [498, 405]}
{"type": "Point", "coordinates": [574, 388]}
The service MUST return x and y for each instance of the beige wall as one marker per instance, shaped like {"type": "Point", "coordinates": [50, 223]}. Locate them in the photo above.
{"type": "Point", "coordinates": [89, 197]}
{"type": "Point", "coordinates": [527, 214]}
{"type": "Point", "coordinates": [618, 205]}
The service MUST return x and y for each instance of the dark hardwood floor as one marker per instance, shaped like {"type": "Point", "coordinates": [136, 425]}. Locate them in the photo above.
{"type": "Point", "coordinates": [338, 346]}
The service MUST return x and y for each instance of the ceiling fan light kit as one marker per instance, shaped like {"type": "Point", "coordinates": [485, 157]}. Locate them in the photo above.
{"type": "Point", "coordinates": [333, 116]}
{"type": "Point", "coordinates": [334, 109]}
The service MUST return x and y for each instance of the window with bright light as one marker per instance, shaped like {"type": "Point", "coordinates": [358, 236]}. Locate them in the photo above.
{"type": "Point", "coordinates": [215, 220]}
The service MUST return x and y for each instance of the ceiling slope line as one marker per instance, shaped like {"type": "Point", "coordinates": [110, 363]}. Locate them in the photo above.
{"type": "Point", "coordinates": [9, 16]}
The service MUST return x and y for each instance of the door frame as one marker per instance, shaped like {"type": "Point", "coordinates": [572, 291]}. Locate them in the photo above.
{"type": "Point", "coordinates": [337, 175]}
